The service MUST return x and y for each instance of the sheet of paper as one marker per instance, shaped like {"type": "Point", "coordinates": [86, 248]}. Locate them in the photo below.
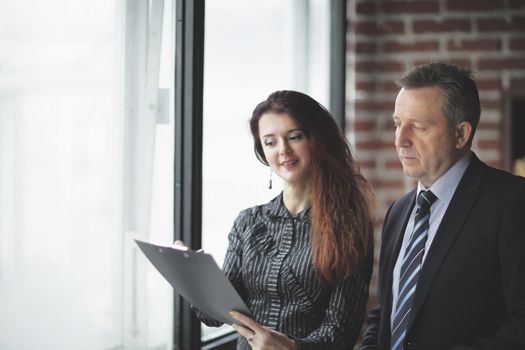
{"type": "Point", "coordinates": [197, 277]}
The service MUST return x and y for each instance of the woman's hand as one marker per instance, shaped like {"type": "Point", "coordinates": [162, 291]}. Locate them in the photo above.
{"type": "Point", "coordinates": [180, 245]}
{"type": "Point", "coordinates": [261, 337]}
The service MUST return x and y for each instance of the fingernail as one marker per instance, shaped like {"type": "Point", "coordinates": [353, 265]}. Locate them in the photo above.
{"type": "Point", "coordinates": [232, 313]}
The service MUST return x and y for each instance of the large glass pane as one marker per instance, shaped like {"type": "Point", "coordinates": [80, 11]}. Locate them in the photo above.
{"type": "Point", "coordinates": [252, 48]}
{"type": "Point", "coordinates": [84, 169]}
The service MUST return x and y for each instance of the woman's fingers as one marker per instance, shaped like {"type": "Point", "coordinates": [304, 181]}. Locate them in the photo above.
{"type": "Point", "coordinates": [249, 322]}
{"type": "Point", "coordinates": [261, 337]}
{"type": "Point", "coordinates": [245, 332]}
{"type": "Point", "coordinates": [251, 328]}
{"type": "Point", "coordinates": [179, 245]}
{"type": "Point", "coordinates": [182, 246]}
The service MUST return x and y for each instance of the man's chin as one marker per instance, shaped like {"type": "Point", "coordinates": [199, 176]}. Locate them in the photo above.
{"type": "Point", "coordinates": [411, 173]}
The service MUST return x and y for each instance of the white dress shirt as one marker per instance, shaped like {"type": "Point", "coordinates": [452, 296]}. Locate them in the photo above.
{"type": "Point", "coordinates": [443, 188]}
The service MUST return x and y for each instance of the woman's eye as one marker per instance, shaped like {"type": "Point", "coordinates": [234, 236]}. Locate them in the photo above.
{"type": "Point", "coordinates": [296, 137]}
{"type": "Point", "coordinates": [269, 142]}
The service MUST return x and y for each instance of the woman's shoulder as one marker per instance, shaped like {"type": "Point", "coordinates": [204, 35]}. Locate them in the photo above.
{"type": "Point", "coordinates": [258, 212]}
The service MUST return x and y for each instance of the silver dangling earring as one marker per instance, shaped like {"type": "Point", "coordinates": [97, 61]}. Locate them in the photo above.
{"type": "Point", "coordinates": [270, 183]}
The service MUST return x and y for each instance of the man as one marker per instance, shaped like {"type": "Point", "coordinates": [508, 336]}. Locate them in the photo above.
{"type": "Point", "coordinates": [452, 265]}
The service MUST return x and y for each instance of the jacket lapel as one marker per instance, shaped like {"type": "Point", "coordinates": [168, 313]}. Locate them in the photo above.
{"type": "Point", "coordinates": [451, 225]}
{"type": "Point", "coordinates": [399, 217]}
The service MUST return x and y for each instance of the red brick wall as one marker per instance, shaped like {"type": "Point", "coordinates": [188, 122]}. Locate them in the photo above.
{"type": "Point", "coordinates": [387, 38]}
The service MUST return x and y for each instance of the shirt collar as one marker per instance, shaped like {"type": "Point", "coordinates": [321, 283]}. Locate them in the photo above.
{"type": "Point", "coordinates": [276, 209]}
{"type": "Point", "coordinates": [445, 186]}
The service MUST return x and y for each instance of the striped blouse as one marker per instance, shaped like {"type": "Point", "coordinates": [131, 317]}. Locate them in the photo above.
{"type": "Point", "coordinates": [269, 262]}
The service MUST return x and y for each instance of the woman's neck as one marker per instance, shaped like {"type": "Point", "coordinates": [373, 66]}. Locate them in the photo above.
{"type": "Point", "coordinates": [296, 198]}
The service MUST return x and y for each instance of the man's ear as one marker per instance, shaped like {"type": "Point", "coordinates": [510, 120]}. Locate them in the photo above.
{"type": "Point", "coordinates": [463, 132]}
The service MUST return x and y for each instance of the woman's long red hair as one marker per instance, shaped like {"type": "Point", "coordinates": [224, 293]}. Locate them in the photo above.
{"type": "Point", "coordinates": [340, 196]}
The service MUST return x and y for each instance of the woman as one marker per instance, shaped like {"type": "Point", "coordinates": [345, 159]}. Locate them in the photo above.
{"type": "Point", "coordinates": [303, 261]}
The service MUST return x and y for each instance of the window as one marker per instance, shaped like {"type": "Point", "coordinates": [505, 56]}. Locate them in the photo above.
{"type": "Point", "coordinates": [86, 154]}
{"type": "Point", "coordinates": [251, 50]}
{"type": "Point", "coordinates": [90, 125]}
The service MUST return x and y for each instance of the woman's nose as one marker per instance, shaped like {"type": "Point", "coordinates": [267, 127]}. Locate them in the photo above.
{"type": "Point", "coordinates": [285, 148]}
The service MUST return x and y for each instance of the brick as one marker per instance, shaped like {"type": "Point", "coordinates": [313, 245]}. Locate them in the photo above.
{"type": "Point", "coordinates": [473, 5]}
{"type": "Point", "coordinates": [464, 63]}
{"type": "Point", "coordinates": [369, 105]}
{"type": "Point", "coordinates": [491, 116]}
{"type": "Point", "coordinates": [388, 86]}
{"type": "Point", "coordinates": [498, 24]}
{"type": "Point", "coordinates": [448, 25]}
{"type": "Point", "coordinates": [490, 104]}
{"type": "Point", "coordinates": [367, 164]}
{"type": "Point", "coordinates": [365, 27]}
{"type": "Point", "coordinates": [387, 183]}
{"type": "Point", "coordinates": [374, 145]}
{"type": "Point", "coordinates": [393, 164]}
{"type": "Point", "coordinates": [407, 7]}
{"type": "Point", "coordinates": [375, 27]}
{"type": "Point", "coordinates": [517, 85]}
{"type": "Point", "coordinates": [396, 46]}
{"type": "Point", "coordinates": [365, 47]}
{"type": "Point", "coordinates": [517, 44]}
{"type": "Point", "coordinates": [365, 85]}
{"type": "Point", "coordinates": [388, 124]}
{"type": "Point", "coordinates": [488, 144]}
{"type": "Point", "coordinates": [393, 27]}
{"type": "Point", "coordinates": [366, 8]}
{"type": "Point", "coordinates": [388, 66]}
{"type": "Point", "coordinates": [501, 63]}
{"type": "Point", "coordinates": [474, 45]}
{"type": "Point", "coordinates": [385, 121]}
{"type": "Point", "coordinates": [364, 125]}
{"type": "Point", "coordinates": [488, 84]}
{"type": "Point", "coordinates": [455, 26]}
{"type": "Point", "coordinates": [483, 125]}
{"type": "Point", "coordinates": [487, 134]}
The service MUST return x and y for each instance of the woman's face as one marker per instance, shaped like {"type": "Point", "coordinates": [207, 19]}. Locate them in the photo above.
{"type": "Point", "coordinates": [285, 147]}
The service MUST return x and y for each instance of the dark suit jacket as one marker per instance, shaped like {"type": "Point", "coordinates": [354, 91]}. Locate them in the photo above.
{"type": "Point", "coordinates": [471, 290]}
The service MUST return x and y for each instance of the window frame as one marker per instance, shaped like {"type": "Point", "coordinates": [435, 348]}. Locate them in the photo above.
{"type": "Point", "coordinates": [189, 68]}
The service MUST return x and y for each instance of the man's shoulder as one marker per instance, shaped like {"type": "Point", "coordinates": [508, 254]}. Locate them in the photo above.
{"type": "Point", "coordinates": [500, 180]}
{"type": "Point", "coordinates": [504, 176]}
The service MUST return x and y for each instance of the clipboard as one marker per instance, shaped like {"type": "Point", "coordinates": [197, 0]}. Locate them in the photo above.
{"type": "Point", "coordinates": [197, 277]}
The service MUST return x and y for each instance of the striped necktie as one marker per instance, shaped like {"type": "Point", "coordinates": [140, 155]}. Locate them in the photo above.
{"type": "Point", "coordinates": [410, 268]}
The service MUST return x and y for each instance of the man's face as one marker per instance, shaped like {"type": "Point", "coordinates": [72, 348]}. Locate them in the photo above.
{"type": "Point", "coordinates": [426, 145]}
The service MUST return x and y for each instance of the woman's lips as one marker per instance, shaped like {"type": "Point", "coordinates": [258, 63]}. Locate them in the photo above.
{"type": "Point", "coordinates": [289, 163]}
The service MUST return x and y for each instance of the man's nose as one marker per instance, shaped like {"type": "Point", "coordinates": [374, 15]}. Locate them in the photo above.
{"type": "Point", "coordinates": [402, 136]}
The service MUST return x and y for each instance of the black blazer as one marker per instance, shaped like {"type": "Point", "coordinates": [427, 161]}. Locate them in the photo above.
{"type": "Point", "coordinates": [471, 290]}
